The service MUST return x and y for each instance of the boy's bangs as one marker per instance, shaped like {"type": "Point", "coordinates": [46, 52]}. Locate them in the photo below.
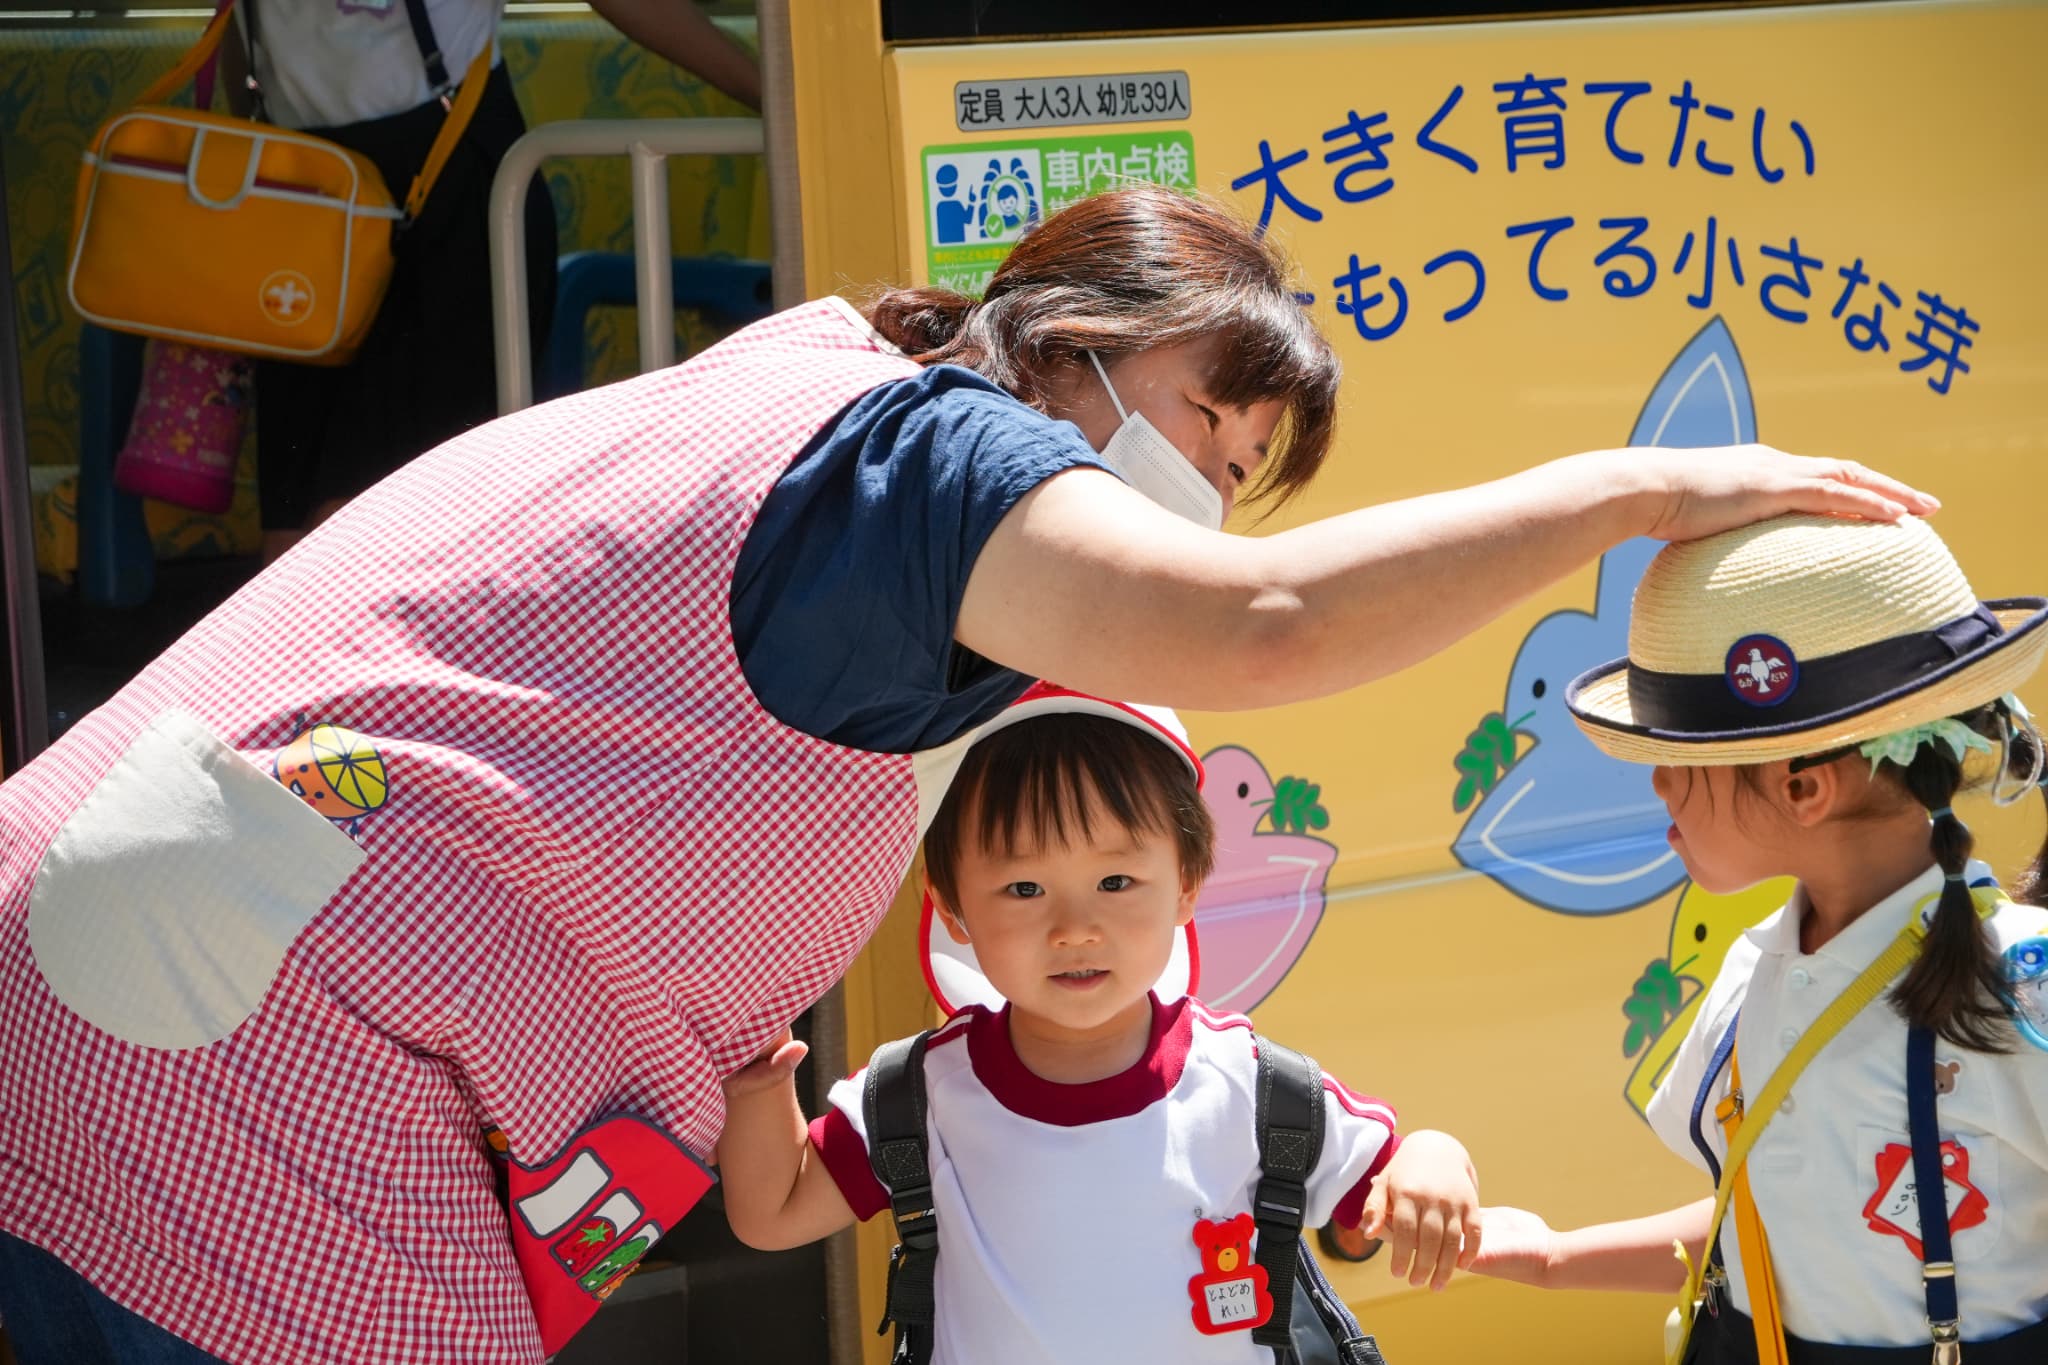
{"type": "Point", "coordinates": [1045, 783]}
{"type": "Point", "coordinates": [1029, 797]}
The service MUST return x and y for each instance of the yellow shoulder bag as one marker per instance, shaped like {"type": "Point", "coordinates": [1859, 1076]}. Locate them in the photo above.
{"type": "Point", "coordinates": [228, 233]}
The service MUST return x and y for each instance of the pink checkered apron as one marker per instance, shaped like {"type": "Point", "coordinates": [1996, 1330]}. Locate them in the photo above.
{"type": "Point", "coordinates": [566, 866]}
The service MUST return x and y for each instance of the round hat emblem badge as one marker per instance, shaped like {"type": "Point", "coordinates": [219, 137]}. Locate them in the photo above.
{"type": "Point", "coordinates": [1762, 670]}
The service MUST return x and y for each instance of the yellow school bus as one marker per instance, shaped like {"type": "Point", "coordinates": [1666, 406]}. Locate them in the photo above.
{"type": "Point", "coordinates": [1527, 234]}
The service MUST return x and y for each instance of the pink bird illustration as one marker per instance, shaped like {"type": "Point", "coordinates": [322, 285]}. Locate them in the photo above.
{"type": "Point", "coordinates": [1264, 900]}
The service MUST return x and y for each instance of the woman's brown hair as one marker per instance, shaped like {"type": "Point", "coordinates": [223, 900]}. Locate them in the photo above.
{"type": "Point", "coordinates": [1135, 269]}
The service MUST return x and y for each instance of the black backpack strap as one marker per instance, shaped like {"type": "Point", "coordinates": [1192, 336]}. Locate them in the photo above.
{"type": "Point", "coordinates": [893, 1110]}
{"type": "Point", "coordinates": [1290, 1125]}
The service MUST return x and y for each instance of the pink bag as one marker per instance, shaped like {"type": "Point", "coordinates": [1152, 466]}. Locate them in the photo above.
{"type": "Point", "coordinates": [187, 429]}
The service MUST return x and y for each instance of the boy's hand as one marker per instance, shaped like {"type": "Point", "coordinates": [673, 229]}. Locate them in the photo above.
{"type": "Point", "coordinates": [1426, 1205]}
{"type": "Point", "coordinates": [771, 1069]}
{"type": "Point", "coordinates": [1518, 1247]}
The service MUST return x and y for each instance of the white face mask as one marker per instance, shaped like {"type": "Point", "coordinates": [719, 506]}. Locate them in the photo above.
{"type": "Point", "coordinates": [1155, 467]}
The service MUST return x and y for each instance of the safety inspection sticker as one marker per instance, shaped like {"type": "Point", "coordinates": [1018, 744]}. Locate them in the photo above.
{"type": "Point", "coordinates": [1051, 101]}
{"type": "Point", "coordinates": [979, 197]}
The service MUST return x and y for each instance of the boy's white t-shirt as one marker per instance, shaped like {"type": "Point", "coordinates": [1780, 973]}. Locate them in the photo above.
{"type": "Point", "coordinates": [325, 63]}
{"type": "Point", "coordinates": [1067, 1212]}
{"type": "Point", "coordinates": [1832, 1176]}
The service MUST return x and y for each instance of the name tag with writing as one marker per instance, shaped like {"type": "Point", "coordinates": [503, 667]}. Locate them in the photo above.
{"type": "Point", "coordinates": [1230, 1294]}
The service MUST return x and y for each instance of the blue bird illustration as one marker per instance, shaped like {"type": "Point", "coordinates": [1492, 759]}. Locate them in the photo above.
{"type": "Point", "coordinates": [1565, 826]}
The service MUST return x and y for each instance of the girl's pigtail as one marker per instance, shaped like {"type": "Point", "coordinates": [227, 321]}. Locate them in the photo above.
{"type": "Point", "coordinates": [1957, 986]}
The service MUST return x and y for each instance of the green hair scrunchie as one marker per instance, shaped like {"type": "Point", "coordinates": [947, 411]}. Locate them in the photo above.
{"type": "Point", "coordinates": [1900, 746]}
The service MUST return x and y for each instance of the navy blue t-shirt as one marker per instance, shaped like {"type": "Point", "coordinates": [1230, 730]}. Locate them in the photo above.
{"type": "Point", "coordinates": [847, 589]}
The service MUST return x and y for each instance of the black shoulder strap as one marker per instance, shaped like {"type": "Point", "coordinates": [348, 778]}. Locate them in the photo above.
{"type": "Point", "coordinates": [893, 1109]}
{"type": "Point", "coordinates": [1290, 1124]}
{"type": "Point", "coordinates": [430, 48]}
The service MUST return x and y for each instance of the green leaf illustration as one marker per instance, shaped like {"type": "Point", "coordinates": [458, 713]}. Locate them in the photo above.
{"type": "Point", "coordinates": [1488, 753]}
{"type": "Point", "coordinates": [1297, 807]}
{"type": "Point", "coordinates": [1656, 1000]}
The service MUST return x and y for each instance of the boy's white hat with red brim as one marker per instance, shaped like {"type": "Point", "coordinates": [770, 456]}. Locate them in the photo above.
{"type": "Point", "coordinates": [950, 968]}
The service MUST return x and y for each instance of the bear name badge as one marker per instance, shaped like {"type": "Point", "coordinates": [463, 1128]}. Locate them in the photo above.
{"type": "Point", "coordinates": [1230, 1293]}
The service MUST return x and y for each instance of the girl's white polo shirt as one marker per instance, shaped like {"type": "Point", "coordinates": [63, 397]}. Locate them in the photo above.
{"type": "Point", "coordinates": [1832, 1175]}
{"type": "Point", "coordinates": [1067, 1212]}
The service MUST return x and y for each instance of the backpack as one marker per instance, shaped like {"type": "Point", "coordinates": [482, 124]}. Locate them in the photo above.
{"type": "Point", "coordinates": [1309, 1324]}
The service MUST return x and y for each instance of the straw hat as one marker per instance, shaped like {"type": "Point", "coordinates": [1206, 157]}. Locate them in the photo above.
{"type": "Point", "coordinates": [1800, 635]}
{"type": "Point", "coordinates": [951, 971]}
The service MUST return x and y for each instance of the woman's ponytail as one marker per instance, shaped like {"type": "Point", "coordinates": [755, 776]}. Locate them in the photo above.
{"type": "Point", "coordinates": [1957, 986]}
{"type": "Point", "coordinates": [923, 322]}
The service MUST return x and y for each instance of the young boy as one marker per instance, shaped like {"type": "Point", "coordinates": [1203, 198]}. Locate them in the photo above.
{"type": "Point", "coordinates": [1086, 1134]}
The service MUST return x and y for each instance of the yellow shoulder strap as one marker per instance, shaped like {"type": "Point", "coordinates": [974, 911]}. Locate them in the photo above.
{"type": "Point", "coordinates": [459, 113]}
{"type": "Point", "coordinates": [188, 65]}
{"type": "Point", "coordinates": [1765, 1320]}
{"type": "Point", "coordinates": [1757, 1112]}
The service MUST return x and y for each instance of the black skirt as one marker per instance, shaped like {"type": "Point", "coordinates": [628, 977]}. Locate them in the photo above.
{"type": "Point", "coordinates": [426, 370]}
{"type": "Point", "coordinates": [1730, 1339]}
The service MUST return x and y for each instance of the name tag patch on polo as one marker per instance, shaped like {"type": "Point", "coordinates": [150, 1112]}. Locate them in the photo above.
{"type": "Point", "coordinates": [1230, 1294]}
{"type": "Point", "coordinates": [1894, 1210]}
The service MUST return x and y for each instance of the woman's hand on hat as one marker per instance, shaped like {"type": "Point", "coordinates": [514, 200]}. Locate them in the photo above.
{"type": "Point", "coordinates": [771, 1069]}
{"type": "Point", "coordinates": [1701, 492]}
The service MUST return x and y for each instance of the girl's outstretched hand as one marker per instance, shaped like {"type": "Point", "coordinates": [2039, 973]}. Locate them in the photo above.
{"type": "Point", "coordinates": [1425, 1204]}
{"type": "Point", "coordinates": [1694, 493]}
{"type": "Point", "coordinates": [1518, 1246]}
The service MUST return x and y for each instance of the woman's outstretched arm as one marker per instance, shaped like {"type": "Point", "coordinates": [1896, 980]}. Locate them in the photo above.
{"type": "Point", "coordinates": [1086, 582]}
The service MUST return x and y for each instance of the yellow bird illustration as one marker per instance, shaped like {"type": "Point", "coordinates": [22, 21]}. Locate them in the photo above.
{"type": "Point", "coordinates": [1667, 995]}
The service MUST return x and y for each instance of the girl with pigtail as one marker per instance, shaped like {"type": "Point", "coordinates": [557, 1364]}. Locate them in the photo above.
{"type": "Point", "coordinates": [1960, 986]}
{"type": "Point", "coordinates": [1817, 697]}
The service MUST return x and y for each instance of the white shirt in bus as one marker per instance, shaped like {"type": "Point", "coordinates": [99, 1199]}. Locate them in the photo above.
{"type": "Point", "coordinates": [1845, 1276]}
{"type": "Point", "coordinates": [323, 63]}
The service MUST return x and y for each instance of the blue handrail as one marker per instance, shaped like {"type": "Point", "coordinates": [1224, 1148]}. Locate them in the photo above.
{"type": "Point", "coordinates": [731, 293]}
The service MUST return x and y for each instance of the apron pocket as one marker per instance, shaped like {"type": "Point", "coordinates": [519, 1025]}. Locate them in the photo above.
{"type": "Point", "coordinates": [165, 904]}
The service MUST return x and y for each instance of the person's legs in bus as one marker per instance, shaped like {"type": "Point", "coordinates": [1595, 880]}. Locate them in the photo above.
{"type": "Point", "coordinates": [426, 372]}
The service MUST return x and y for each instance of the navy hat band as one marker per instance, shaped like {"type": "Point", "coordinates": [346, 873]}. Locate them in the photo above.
{"type": "Point", "coordinates": [1795, 690]}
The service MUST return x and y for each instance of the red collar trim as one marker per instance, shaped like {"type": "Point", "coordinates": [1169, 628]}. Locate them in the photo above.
{"type": "Point", "coordinates": [1146, 1082]}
